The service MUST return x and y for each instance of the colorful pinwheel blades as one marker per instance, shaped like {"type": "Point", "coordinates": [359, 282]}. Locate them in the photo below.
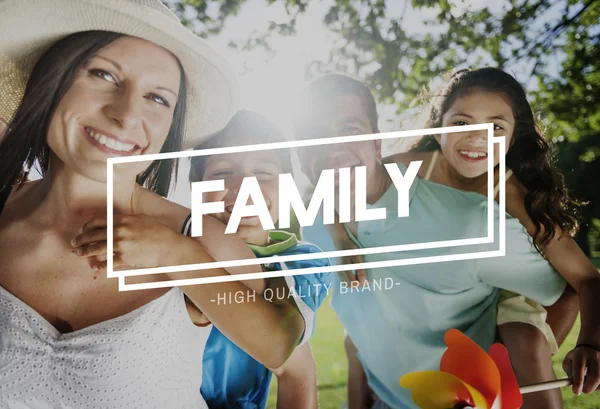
{"type": "Point", "coordinates": [511, 397]}
{"type": "Point", "coordinates": [468, 377]}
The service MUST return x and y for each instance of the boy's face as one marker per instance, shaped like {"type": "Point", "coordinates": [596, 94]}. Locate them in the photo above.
{"type": "Point", "coordinates": [233, 168]}
{"type": "Point", "coordinates": [341, 115]}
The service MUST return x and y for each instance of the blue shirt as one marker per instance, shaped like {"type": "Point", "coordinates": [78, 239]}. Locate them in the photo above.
{"type": "Point", "coordinates": [231, 378]}
{"type": "Point", "coordinates": [399, 326]}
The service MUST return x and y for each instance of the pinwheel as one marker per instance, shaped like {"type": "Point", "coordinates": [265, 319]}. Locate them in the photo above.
{"type": "Point", "coordinates": [470, 378]}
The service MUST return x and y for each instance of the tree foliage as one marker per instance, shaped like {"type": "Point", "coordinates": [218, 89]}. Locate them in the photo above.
{"type": "Point", "coordinates": [555, 44]}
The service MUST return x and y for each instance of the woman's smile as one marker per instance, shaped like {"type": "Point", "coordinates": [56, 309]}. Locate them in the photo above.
{"type": "Point", "coordinates": [110, 143]}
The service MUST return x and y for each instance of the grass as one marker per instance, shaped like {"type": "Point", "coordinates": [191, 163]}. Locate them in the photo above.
{"type": "Point", "coordinates": [328, 348]}
{"type": "Point", "coordinates": [332, 369]}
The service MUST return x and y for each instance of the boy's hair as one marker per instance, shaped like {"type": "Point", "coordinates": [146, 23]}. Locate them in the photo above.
{"type": "Point", "coordinates": [531, 157]}
{"type": "Point", "coordinates": [245, 128]}
{"type": "Point", "coordinates": [334, 85]}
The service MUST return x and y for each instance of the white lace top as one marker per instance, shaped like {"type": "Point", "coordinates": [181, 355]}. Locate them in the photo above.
{"type": "Point", "coordinates": [148, 358]}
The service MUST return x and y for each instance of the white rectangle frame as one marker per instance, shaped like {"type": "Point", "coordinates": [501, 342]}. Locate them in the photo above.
{"type": "Point", "coordinates": [111, 162]}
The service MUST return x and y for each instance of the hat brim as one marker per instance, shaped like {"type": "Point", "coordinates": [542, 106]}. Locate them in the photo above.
{"type": "Point", "coordinates": [28, 28]}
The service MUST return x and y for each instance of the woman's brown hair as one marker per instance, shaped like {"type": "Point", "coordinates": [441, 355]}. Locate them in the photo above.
{"type": "Point", "coordinates": [24, 140]}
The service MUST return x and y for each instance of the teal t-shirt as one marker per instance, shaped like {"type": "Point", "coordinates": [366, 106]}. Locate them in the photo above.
{"type": "Point", "coordinates": [398, 327]}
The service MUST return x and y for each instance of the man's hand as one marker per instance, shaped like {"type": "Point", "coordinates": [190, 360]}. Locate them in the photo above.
{"type": "Point", "coordinates": [355, 274]}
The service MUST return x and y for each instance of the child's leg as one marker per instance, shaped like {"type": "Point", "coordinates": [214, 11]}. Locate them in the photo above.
{"type": "Point", "coordinates": [297, 380]}
{"type": "Point", "coordinates": [359, 393]}
{"type": "Point", "coordinates": [563, 313]}
{"type": "Point", "coordinates": [522, 328]}
{"type": "Point", "coordinates": [531, 358]}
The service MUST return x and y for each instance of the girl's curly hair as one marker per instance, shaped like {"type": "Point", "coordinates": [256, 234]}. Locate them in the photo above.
{"type": "Point", "coordinates": [531, 157]}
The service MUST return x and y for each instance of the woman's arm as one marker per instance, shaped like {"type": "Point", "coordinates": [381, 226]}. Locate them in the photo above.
{"type": "Point", "coordinates": [297, 380]}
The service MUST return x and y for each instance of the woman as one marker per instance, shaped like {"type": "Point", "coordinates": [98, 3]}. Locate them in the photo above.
{"type": "Point", "coordinates": [114, 84]}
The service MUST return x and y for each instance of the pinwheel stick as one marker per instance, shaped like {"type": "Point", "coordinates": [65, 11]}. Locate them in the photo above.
{"type": "Point", "coordinates": [544, 386]}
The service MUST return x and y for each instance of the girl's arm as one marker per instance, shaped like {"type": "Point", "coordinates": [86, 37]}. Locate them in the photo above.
{"type": "Point", "coordinates": [569, 261]}
{"type": "Point", "coordinates": [297, 380]}
{"type": "Point", "coordinates": [268, 331]}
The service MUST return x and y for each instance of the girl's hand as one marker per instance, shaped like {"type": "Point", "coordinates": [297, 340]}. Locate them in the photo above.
{"type": "Point", "coordinates": [582, 365]}
{"type": "Point", "coordinates": [138, 241]}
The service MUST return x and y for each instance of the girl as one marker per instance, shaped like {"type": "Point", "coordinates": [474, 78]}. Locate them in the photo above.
{"type": "Point", "coordinates": [107, 79]}
{"type": "Point", "coordinates": [536, 195]}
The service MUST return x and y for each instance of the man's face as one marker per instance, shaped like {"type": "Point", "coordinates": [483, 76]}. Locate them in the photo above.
{"type": "Point", "coordinates": [341, 115]}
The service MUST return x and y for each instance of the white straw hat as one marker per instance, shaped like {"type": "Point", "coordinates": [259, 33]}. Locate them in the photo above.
{"type": "Point", "coordinates": [29, 27]}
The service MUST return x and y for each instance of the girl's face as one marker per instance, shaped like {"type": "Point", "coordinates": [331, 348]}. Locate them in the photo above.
{"type": "Point", "coordinates": [120, 103]}
{"type": "Point", "coordinates": [467, 152]}
{"type": "Point", "coordinates": [265, 166]}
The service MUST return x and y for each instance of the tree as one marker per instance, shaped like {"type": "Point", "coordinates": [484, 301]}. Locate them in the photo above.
{"type": "Point", "coordinates": [552, 43]}
{"type": "Point", "coordinates": [536, 34]}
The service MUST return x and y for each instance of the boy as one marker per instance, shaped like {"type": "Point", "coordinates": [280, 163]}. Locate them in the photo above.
{"type": "Point", "coordinates": [405, 325]}
{"type": "Point", "coordinates": [231, 378]}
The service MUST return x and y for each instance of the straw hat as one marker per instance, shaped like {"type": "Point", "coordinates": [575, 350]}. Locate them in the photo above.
{"type": "Point", "coordinates": [29, 27]}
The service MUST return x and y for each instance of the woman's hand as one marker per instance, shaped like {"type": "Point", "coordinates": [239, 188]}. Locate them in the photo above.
{"type": "Point", "coordinates": [138, 241]}
{"type": "Point", "coordinates": [582, 365]}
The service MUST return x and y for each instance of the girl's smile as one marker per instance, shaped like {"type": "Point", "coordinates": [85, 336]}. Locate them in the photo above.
{"type": "Point", "coordinates": [467, 152]}
{"type": "Point", "coordinates": [472, 155]}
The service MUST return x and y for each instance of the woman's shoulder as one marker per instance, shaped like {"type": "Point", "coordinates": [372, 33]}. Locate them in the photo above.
{"type": "Point", "coordinates": [20, 192]}
{"type": "Point", "coordinates": [18, 203]}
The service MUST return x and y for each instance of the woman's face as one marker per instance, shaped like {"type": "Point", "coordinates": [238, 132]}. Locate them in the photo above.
{"type": "Point", "coordinates": [120, 103]}
{"type": "Point", "coordinates": [467, 152]}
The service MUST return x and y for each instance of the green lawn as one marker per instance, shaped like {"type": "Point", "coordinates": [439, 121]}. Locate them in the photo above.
{"type": "Point", "coordinates": [332, 368]}
{"type": "Point", "coordinates": [328, 348]}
